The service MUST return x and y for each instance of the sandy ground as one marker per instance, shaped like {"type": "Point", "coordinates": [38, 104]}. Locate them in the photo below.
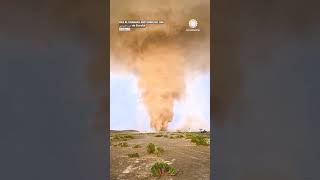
{"type": "Point", "coordinates": [191, 161]}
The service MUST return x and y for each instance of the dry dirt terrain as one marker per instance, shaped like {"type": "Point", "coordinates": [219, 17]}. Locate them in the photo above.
{"type": "Point", "coordinates": [191, 161]}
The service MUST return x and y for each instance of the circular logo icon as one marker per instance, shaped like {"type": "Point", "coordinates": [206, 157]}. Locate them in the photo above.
{"type": "Point", "coordinates": [193, 23]}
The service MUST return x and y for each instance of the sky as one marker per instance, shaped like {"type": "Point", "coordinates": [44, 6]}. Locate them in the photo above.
{"type": "Point", "coordinates": [128, 112]}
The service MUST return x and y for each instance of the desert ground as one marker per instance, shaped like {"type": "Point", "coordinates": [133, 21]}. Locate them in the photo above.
{"type": "Point", "coordinates": [190, 159]}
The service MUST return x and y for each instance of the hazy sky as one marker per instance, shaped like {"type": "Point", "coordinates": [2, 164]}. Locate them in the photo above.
{"type": "Point", "coordinates": [128, 112]}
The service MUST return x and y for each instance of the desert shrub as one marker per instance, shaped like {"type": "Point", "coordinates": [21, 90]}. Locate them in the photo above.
{"type": "Point", "coordinates": [166, 136]}
{"type": "Point", "coordinates": [199, 140]}
{"type": "Point", "coordinates": [151, 148]}
{"type": "Point", "coordinates": [162, 168]}
{"type": "Point", "coordinates": [189, 135]}
{"type": "Point", "coordinates": [137, 146]}
{"type": "Point", "coordinates": [132, 155]}
{"type": "Point", "coordinates": [123, 144]}
{"type": "Point", "coordinates": [128, 136]}
{"type": "Point", "coordinates": [158, 151]}
{"type": "Point", "coordinates": [171, 137]}
{"type": "Point", "coordinates": [122, 137]}
{"type": "Point", "coordinates": [179, 136]}
{"type": "Point", "coordinates": [158, 135]}
{"type": "Point", "coordinates": [116, 137]}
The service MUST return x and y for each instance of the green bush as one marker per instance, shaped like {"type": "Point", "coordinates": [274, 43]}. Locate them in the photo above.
{"type": "Point", "coordinates": [137, 146]}
{"type": "Point", "coordinates": [158, 151]}
{"type": "Point", "coordinates": [116, 137]}
{"type": "Point", "coordinates": [189, 135]}
{"type": "Point", "coordinates": [122, 137]}
{"type": "Point", "coordinates": [151, 148]}
{"type": "Point", "coordinates": [123, 144]}
{"type": "Point", "coordinates": [132, 155]}
{"type": "Point", "coordinates": [162, 168]}
{"type": "Point", "coordinates": [128, 136]}
{"type": "Point", "coordinates": [198, 139]}
{"type": "Point", "coordinates": [179, 136]}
